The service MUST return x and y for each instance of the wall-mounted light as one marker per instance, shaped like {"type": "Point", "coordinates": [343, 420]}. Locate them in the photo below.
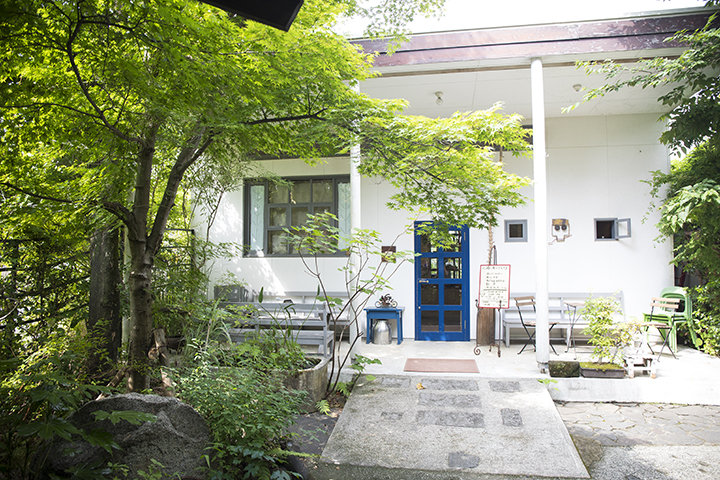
{"type": "Point", "coordinates": [577, 87]}
{"type": "Point", "coordinates": [439, 97]}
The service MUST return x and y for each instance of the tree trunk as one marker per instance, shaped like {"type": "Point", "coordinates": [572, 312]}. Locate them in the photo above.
{"type": "Point", "coordinates": [140, 312]}
{"type": "Point", "coordinates": [104, 319]}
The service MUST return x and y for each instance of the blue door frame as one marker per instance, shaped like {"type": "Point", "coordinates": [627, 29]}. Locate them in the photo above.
{"type": "Point", "coordinates": [442, 288]}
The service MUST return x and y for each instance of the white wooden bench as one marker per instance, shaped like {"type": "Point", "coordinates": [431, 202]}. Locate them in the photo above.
{"type": "Point", "coordinates": [557, 312]}
{"type": "Point", "coordinates": [310, 297]}
{"type": "Point", "coordinates": [306, 324]}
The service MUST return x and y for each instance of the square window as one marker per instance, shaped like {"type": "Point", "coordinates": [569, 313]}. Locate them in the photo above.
{"type": "Point", "coordinates": [516, 231]}
{"type": "Point", "coordinates": [612, 228]}
{"type": "Point", "coordinates": [271, 207]}
{"type": "Point", "coordinates": [604, 229]}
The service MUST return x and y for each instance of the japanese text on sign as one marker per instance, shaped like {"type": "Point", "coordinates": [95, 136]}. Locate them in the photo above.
{"type": "Point", "coordinates": [494, 286]}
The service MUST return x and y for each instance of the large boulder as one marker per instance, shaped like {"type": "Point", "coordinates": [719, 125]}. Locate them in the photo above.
{"type": "Point", "coordinates": [177, 439]}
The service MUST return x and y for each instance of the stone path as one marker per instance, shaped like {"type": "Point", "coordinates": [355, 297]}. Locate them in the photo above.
{"type": "Point", "coordinates": [413, 427]}
{"type": "Point", "coordinates": [623, 425]}
{"type": "Point", "coordinates": [645, 441]}
{"type": "Point", "coordinates": [627, 441]}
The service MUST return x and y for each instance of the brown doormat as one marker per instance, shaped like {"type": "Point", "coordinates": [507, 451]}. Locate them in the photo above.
{"type": "Point", "coordinates": [441, 365]}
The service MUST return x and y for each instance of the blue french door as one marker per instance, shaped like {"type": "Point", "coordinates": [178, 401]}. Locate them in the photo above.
{"type": "Point", "coordinates": [442, 294]}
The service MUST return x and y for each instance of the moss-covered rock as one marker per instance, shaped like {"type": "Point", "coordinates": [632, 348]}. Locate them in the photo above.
{"type": "Point", "coordinates": [560, 368]}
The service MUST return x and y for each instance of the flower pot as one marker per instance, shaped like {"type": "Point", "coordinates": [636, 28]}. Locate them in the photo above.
{"type": "Point", "coordinates": [313, 380]}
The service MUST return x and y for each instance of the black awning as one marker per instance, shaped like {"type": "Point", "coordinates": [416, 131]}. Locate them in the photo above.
{"type": "Point", "coordinates": [276, 13]}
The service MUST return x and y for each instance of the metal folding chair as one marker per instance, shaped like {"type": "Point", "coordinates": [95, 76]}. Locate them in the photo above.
{"type": "Point", "coordinates": [662, 316]}
{"type": "Point", "coordinates": [529, 301]}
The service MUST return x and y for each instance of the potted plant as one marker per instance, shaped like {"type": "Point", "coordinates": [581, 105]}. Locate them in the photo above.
{"type": "Point", "coordinates": [608, 337]}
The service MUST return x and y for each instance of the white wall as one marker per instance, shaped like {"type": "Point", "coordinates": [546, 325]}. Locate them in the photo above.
{"type": "Point", "coordinates": [596, 166]}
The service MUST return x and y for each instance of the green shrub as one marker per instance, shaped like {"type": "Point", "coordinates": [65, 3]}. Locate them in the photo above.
{"type": "Point", "coordinates": [607, 336]}
{"type": "Point", "coordinates": [37, 394]}
{"type": "Point", "coordinates": [247, 410]}
{"type": "Point", "coordinates": [706, 316]}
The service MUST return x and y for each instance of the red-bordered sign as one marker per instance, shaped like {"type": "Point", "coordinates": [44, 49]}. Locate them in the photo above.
{"type": "Point", "coordinates": [494, 286]}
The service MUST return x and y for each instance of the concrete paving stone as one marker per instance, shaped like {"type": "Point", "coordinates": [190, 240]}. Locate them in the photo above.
{"type": "Point", "coordinates": [667, 415]}
{"type": "Point", "coordinates": [697, 410]}
{"type": "Point", "coordinates": [449, 384]}
{"type": "Point", "coordinates": [392, 416]}
{"type": "Point", "coordinates": [711, 437]}
{"type": "Point", "coordinates": [395, 382]}
{"type": "Point", "coordinates": [462, 460]}
{"type": "Point", "coordinates": [450, 419]}
{"type": "Point", "coordinates": [504, 386]}
{"type": "Point", "coordinates": [511, 417]}
{"type": "Point", "coordinates": [605, 408]}
{"type": "Point", "coordinates": [449, 400]}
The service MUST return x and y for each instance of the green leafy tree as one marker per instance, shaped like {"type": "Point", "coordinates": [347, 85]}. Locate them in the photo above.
{"type": "Point", "coordinates": [124, 99]}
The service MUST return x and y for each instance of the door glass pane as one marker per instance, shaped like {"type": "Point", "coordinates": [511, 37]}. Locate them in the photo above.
{"type": "Point", "coordinates": [453, 294]}
{"type": "Point", "coordinates": [277, 242]}
{"type": "Point", "coordinates": [300, 192]}
{"type": "Point", "coordinates": [257, 217]}
{"type": "Point", "coordinates": [429, 294]}
{"type": "Point", "coordinates": [454, 244]}
{"type": "Point", "coordinates": [299, 215]}
{"type": "Point", "coordinates": [278, 194]}
{"type": "Point", "coordinates": [453, 268]}
{"type": "Point", "coordinates": [428, 268]}
{"type": "Point", "coordinates": [430, 321]}
{"type": "Point", "coordinates": [425, 245]}
{"type": "Point", "coordinates": [278, 216]}
{"type": "Point", "coordinates": [453, 321]}
{"type": "Point", "coordinates": [322, 191]}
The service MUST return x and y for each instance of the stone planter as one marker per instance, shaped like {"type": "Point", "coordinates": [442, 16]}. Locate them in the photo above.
{"type": "Point", "coordinates": [588, 372]}
{"type": "Point", "coordinates": [312, 380]}
{"type": "Point", "coordinates": [564, 369]}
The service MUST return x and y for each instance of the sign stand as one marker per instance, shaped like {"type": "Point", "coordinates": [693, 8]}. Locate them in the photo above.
{"type": "Point", "coordinates": [494, 294]}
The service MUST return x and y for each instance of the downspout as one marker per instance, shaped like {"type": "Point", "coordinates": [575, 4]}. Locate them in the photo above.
{"type": "Point", "coordinates": [542, 339]}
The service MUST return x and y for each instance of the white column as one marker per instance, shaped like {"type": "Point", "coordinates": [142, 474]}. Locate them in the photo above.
{"type": "Point", "coordinates": [542, 339]}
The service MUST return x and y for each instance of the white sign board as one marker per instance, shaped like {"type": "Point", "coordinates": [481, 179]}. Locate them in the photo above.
{"type": "Point", "coordinates": [494, 286]}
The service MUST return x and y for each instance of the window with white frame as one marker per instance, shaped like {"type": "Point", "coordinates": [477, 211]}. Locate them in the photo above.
{"type": "Point", "coordinates": [612, 228]}
{"type": "Point", "coordinates": [516, 231]}
{"type": "Point", "coordinates": [270, 208]}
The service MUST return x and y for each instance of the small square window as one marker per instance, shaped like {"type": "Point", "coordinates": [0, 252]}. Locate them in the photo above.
{"type": "Point", "coordinates": [516, 231]}
{"type": "Point", "coordinates": [612, 228]}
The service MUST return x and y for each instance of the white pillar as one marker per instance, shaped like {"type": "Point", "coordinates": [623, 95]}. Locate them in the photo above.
{"type": "Point", "coordinates": [542, 339]}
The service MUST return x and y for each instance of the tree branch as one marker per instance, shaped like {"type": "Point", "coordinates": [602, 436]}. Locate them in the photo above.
{"type": "Point", "coordinates": [187, 156]}
{"type": "Point", "coordinates": [36, 195]}
{"type": "Point", "coordinates": [119, 211]}
{"type": "Point", "coordinates": [291, 118]}
{"type": "Point", "coordinates": [52, 104]}
{"type": "Point", "coordinates": [86, 91]}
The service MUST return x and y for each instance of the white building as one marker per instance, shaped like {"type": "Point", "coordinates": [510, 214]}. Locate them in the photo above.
{"type": "Point", "coordinates": [591, 173]}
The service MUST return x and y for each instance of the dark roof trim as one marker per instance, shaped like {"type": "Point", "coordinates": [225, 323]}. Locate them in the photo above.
{"type": "Point", "coordinates": [537, 41]}
{"type": "Point", "coordinates": [279, 14]}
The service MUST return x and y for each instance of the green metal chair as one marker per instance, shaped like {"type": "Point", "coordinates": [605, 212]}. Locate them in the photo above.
{"type": "Point", "coordinates": [673, 318]}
